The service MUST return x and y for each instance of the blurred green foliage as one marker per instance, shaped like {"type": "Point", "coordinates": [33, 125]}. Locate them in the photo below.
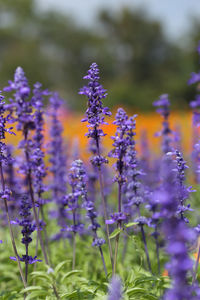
{"type": "Point", "coordinates": [137, 61]}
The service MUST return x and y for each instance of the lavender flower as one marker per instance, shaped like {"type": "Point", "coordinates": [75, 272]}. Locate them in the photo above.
{"type": "Point", "coordinates": [5, 192]}
{"type": "Point", "coordinates": [95, 116]}
{"type": "Point", "coordinates": [12, 181]}
{"type": "Point", "coordinates": [39, 169]}
{"type": "Point", "coordinates": [163, 109]}
{"type": "Point", "coordinates": [27, 229]}
{"type": "Point", "coordinates": [195, 104]}
{"type": "Point", "coordinates": [115, 289]}
{"type": "Point", "coordinates": [77, 182]}
{"type": "Point", "coordinates": [57, 159]}
{"type": "Point", "coordinates": [21, 105]}
{"type": "Point", "coordinates": [177, 234]}
{"type": "Point", "coordinates": [182, 189]}
{"type": "Point", "coordinates": [95, 113]}
{"type": "Point", "coordinates": [123, 140]}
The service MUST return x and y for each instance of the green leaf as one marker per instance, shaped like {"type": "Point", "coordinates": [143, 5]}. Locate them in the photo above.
{"type": "Point", "coordinates": [115, 233]}
{"type": "Point", "coordinates": [59, 266]}
{"type": "Point", "coordinates": [136, 291]}
{"type": "Point", "coordinates": [130, 224]}
{"type": "Point", "coordinates": [40, 274]}
{"type": "Point", "coordinates": [36, 294]}
{"type": "Point", "coordinates": [31, 288]}
{"type": "Point", "coordinates": [71, 273]}
{"type": "Point", "coordinates": [144, 279]}
{"type": "Point", "coordinates": [76, 295]}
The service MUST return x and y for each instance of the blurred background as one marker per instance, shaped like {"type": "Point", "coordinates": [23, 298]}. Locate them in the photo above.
{"type": "Point", "coordinates": [143, 48]}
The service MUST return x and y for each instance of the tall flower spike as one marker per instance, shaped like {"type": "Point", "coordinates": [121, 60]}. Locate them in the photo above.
{"type": "Point", "coordinates": [123, 140]}
{"type": "Point", "coordinates": [115, 289]}
{"type": "Point", "coordinates": [57, 160]}
{"type": "Point", "coordinates": [95, 116]}
{"type": "Point", "coordinates": [166, 133]}
{"type": "Point", "coordinates": [177, 234]}
{"type": "Point", "coordinates": [96, 112]}
{"type": "Point", "coordinates": [182, 189]}
{"type": "Point", "coordinates": [21, 105]}
{"type": "Point", "coordinates": [39, 169]}
{"type": "Point", "coordinates": [27, 229]}
{"type": "Point", "coordinates": [5, 192]}
{"type": "Point", "coordinates": [195, 104]}
{"type": "Point", "coordinates": [72, 201]}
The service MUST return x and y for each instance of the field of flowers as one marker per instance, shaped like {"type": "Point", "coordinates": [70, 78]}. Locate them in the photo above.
{"type": "Point", "coordinates": [98, 206]}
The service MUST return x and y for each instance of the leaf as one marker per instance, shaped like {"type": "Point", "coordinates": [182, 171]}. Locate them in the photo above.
{"type": "Point", "coordinates": [141, 280]}
{"type": "Point", "coordinates": [71, 273]}
{"type": "Point", "coordinates": [76, 295]}
{"type": "Point", "coordinates": [59, 266]}
{"type": "Point", "coordinates": [130, 224]}
{"type": "Point", "coordinates": [36, 294]}
{"type": "Point", "coordinates": [136, 291]}
{"type": "Point", "coordinates": [115, 233]}
{"type": "Point", "coordinates": [31, 288]}
{"type": "Point", "coordinates": [41, 274]}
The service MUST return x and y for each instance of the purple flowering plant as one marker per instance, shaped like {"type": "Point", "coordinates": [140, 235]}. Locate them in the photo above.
{"type": "Point", "coordinates": [99, 230]}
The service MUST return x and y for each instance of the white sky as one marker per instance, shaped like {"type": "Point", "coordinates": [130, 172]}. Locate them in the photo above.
{"type": "Point", "coordinates": [174, 14]}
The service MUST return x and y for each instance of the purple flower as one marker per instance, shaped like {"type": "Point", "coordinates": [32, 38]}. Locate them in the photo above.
{"type": "Point", "coordinates": [163, 109]}
{"type": "Point", "coordinates": [3, 130]}
{"type": "Point", "coordinates": [183, 191]}
{"type": "Point", "coordinates": [57, 159]}
{"type": "Point", "coordinates": [39, 169]}
{"type": "Point", "coordinates": [28, 227]}
{"type": "Point", "coordinates": [177, 234]}
{"type": "Point", "coordinates": [96, 112]}
{"type": "Point", "coordinates": [21, 103]}
{"type": "Point", "coordinates": [115, 289]}
{"type": "Point", "coordinates": [77, 181]}
{"type": "Point", "coordinates": [116, 218]}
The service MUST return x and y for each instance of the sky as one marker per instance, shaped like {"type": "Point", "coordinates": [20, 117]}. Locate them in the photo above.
{"type": "Point", "coordinates": [174, 14]}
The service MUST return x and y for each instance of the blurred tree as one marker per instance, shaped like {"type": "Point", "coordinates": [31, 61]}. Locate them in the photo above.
{"type": "Point", "coordinates": [147, 63]}
{"type": "Point", "coordinates": [138, 62]}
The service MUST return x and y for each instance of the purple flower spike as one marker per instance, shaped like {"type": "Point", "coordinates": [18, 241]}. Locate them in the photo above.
{"type": "Point", "coordinates": [177, 234]}
{"type": "Point", "coordinates": [96, 112]}
{"type": "Point", "coordinates": [77, 181]}
{"type": "Point", "coordinates": [21, 104]}
{"type": "Point", "coordinates": [115, 289]}
{"type": "Point", "coordinates": [163, 105]}
{"type": "Point", "coordinates": [95, 93]}
{"type": "Point", "coordinates": [57, 159]}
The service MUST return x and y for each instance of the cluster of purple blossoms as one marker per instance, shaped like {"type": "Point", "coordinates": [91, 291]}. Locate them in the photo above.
{"type": "Point", "coordinates": [21, 107]}
{"type": "Point", "coordinates": [195, 104]}
{"type": "Point", "coordinates": [183, 191]}
{"type": "Point", "coordinates": [88, 204]}
{"type": "Point", "coordinates": [166, 133]}
{"type": "Point", "coordinates": [115, 289]}
{"type": "Point", "coordinates": [12, 181]}
{"type": "Point", "coordinates": [57, 159]}
{"type": "Point", "coordinates": [76, 179]}
{"type": "Point", "coordinates": [5, 158]}
{"type": "Point", "coordinates": [20, 104]}
{"type": "Point", "coordinates": [96, 112]}
{"type": "Point", "coordinates": [177, 234]}
{"type": "Point", "coordinates": [39, 169]}
{"type": "Point", "coordinates": [27, 229]}
{"type": "Point", "coordinates": [134, 186]}
{"type": "Point", "coordinates": [123, 140]}
{"type": "Point", "coordinates": [3, 120]}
